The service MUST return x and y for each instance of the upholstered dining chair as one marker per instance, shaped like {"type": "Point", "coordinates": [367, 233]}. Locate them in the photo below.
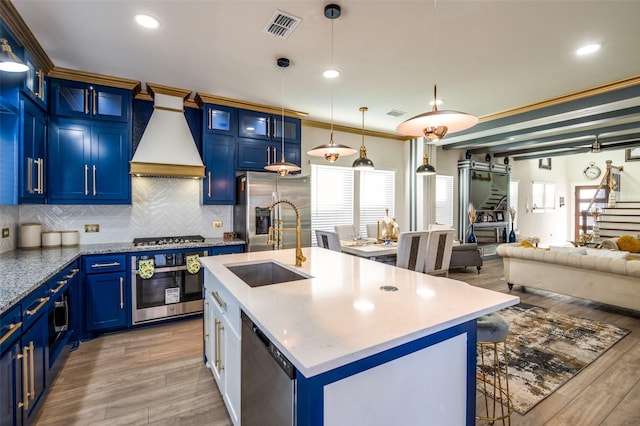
{"type": "Point", "coordinates": [346, 232]}
{"type": "Point", "coordinates": [438, 252]}
{"type": "Point", "coordinates": [372, 230]}
{"type": "Point", "coordinates": [328, 239]}
{"type": "Point", "coordinates": [412, 250]}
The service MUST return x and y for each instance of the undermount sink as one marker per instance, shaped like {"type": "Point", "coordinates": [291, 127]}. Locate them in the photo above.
{"type": "Point", "coordinates": [265, 273]}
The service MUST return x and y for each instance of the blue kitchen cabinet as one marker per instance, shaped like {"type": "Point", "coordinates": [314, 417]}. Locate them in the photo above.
{"type": "Point", "coordinates": [107, 298]}
{"type": "Point", "coordinates": [33, 134]}
{"type": "Point", "coordinates": [35, 84]}
{"type": "Point", "coordinates": [11, 366]}
{"type": "Point", "coordinates": [83, 100]}
{"type": "Point", "coordinates": [265, 126]}
{"type": "Point", "coordinates": [218, 186]}
{"type": "Point", "coordinates": [255, 154]}
{"type": "Point", "coordinates": [219, 119]}
{"type": "Point", "coordinates": [89, 162]}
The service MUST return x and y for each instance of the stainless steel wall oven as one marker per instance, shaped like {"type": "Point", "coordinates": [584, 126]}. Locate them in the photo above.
{"type": "Point", "coordinates": [166, 285]}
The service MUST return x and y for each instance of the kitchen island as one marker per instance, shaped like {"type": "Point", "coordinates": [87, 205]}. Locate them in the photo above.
{"type": "Point", "coordinates": [371, 343]}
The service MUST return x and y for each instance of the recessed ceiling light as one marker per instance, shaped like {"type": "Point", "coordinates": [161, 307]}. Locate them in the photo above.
{"type": "Point", "coordinates": [147, 21]}
{"type": "Point", "coordinates": [588, 49]}
{"type": "Point", "coordinates": [331, 73]}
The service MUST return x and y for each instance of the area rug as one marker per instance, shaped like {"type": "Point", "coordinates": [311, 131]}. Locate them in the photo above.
{"type": "Point", "coordinates": [546, 349]}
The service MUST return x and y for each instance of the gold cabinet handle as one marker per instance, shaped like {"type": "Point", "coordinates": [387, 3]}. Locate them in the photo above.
{"type": "Point", "coordinates": [13, 327]}
{"type": "Point", "coordinates": [73, 273]}
{"type": "Point", "coordinates": [25, 378]}
{"type": "Point", "coordinates": [105, 265]}
{"type": "Point", "coordinates": [95, 107]}
{"type": "Point", "coordinates": [32, 368]}
{"type": "Point", "coordinates": [268, 157]}
{"type": "Point", "coordinates": [40, 93]}
{"type": "Point", "coordinates": [218, 355]}
{"type": "Point", "coordinates": [209, 177]}
{"type": "Point", "coordinates": [86, 179]}
{"type": "Point", "coordinates": [216, 360]}
{"type": "Point", "coordinates": [95, 190]}
{"type": "Point", "coordinates": [121, 293]}
{"type": "Point", "coordinates": [40, 169]}
{"type": "Point", "coordinates": [221, 302]}
{"type": "Point", "coordinates": [268, 128]}
{"type": "Point", "coordinates": [86, 101]}
{"type": "Point", "coordinates": [43, 301]}
{"type": "Point", "coordinates": [275, 154]}
{"type": "Point", "coordinates": [30, 175]}
{"type": "Point", "coordinates": [61, 284]}
{"type": "Point", "coordinates": [210, 117]}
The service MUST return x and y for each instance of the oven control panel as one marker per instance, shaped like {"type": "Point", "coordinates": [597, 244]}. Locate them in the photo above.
{"type": "Point", "coordinates": [165, 260]}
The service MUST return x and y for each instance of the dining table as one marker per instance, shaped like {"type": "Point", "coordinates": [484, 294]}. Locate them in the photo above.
{"type": "Point", "coordinates": [370, 248]}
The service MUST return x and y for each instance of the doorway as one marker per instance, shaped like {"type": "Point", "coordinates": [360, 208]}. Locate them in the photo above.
{"type": "Point", "coordinates": [583, 219]}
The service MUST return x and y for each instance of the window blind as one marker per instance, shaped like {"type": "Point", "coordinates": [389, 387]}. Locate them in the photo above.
{"type": "Point", "coordinates": [444, 200]}
{"type": "Point", "coordinates": [331, 198]}
{"type": "Point", "coordinates": [377, 193]}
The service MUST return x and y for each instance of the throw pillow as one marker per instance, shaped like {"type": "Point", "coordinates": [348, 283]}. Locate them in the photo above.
{"type": "Point", "coordinates": [575, 250]}
{"type": "Point", "coordinates": [613, 254]}
{"type": "Point", "coordinates": [629, 243]}
{"type": "Point", "coordinates": [525, 243]}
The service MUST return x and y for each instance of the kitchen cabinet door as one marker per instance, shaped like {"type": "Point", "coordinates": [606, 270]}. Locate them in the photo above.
{"type": "Point", "coordinates": [83, 100]}
{"type": "Point", "coordinates": [36, 340]}
{"type": "Point", "coordinates": [33, 133]}
{"type": "Point", "coordinates": [219, 184]}
{"type": "Point", "coordinates": [11, 385]}
{"type": "Point", "coordinates": [219, 119]}
{"type": "Point", "coordinates": [253, 155]}
{"type": "Point", "coordinates": [232, 359]}
{"type": "Point", "coordinates": [260, 125]}
{"type": "Point", "coordinates": [105, 301]}
{"type": "Point", "coordinates": [34, 82]}
{"type": "Point", "coordinates": [88, 163]}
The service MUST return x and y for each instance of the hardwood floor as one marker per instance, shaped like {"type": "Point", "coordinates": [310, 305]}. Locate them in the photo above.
{"type": "Point", "coordinates": [156, 376]}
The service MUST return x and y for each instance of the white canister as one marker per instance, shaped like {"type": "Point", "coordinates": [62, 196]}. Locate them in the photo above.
{"type": "Point", "coordinates": [70, 238]}
{"type": "Point", "coordinates": [51, 239]}
{"type": "Point", "coordinates": [30, 234]}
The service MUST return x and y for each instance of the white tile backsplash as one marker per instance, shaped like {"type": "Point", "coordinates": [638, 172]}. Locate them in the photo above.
{"type": "Point", "coordinates": [160, 207]}
{"type": "Point", "coordinates": [9, 219]}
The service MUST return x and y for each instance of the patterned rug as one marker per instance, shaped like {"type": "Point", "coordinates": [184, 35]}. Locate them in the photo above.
{"type": "Point", "coordinates": [546, 349]}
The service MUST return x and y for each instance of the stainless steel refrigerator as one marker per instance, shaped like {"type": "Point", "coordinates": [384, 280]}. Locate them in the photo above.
{"type": "Point", "coordinates": [255, 193]}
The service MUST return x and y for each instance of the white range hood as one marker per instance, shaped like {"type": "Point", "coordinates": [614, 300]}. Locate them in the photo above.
{"type": "Point", "coordinates": [167, 148]}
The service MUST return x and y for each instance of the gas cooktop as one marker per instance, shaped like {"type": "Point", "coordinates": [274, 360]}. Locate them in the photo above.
{"type": "Point", "coordinates": [159, 241]}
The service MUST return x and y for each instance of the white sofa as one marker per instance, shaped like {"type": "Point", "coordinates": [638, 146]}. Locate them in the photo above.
{"type": "Point", "coordinates": [597, 276]}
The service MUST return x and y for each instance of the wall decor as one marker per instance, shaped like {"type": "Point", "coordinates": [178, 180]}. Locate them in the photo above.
{"type": "Point", "coordinates": [499, 216]}
{"type": "Point", "coordinates": [544, 163]}
{"type": "Point", "coordinates": [632, 154]}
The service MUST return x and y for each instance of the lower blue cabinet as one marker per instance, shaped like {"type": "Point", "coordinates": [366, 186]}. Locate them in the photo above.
{"type": "Point", "coordinates": [105, 301]}
{"type": "Point", "coordinates": [11, 385]}
{"type": "Point", "coordinates": [35, 349]}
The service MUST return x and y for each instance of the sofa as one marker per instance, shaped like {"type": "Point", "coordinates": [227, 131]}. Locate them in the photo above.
{"type": "Point", "coordinates": [466, 254]}
{"type": "Point", "coordinates": [606, 276]}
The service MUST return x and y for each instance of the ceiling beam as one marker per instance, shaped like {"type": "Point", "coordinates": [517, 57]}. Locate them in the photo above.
{"type": "Point", "coordinates": [606, 142]}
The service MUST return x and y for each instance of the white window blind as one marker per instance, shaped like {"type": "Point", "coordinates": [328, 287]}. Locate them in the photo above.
{"type": "Point", "coordinates": [444, 200]}
{"type": "Point", "coordinates": [377, 193]}
{"type": "Point", "coordinates": [331, 198]}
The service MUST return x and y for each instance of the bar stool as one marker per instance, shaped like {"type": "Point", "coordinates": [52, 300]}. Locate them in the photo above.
{"type": "Point", "coordinates": [492, 335]}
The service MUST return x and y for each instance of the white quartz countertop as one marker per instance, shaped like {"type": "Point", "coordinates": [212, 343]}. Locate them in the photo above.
{"type": "Point", "coordinates": [341, 315]}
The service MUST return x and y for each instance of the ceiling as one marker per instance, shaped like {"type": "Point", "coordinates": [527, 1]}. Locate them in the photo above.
{"type": "Point", "coordinates": [486, 57]}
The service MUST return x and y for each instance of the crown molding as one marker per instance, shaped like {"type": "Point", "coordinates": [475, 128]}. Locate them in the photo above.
{"type": "Point", "coordinates": [19, 29]}
{"type": "Point", "coordinates": [93, 78]}
{"type": "Point", "coordinates": [358, 131]}
{"type": "Point", "coordinates": [202, 98]}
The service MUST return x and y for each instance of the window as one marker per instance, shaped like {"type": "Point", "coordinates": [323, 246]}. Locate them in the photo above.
{"type": "Point", "coordinates": [377, 193]}
{"type": "Point", "coordinates": [331, 198]}
{"type": "Point", "coordinates": [444, 200]}
{"type": "Point", "coordinates": [544, 195]}
{"type": "Point", "coordinates": [334, 191]}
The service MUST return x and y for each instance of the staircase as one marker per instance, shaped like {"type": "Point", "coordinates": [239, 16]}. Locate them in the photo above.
{"type": "Point", "coordinates": [622, 219]}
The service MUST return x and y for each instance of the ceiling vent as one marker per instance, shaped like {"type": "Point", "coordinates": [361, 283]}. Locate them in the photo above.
{"type": "Point", "coordinates": [396, 113]}
{"type": "Point", "coordinates": [282, 24]}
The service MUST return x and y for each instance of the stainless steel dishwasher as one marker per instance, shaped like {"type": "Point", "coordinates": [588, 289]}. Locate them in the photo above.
{"type": "Point", "coordinates": [268, 384]}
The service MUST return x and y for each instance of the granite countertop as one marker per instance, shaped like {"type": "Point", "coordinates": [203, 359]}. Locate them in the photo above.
{"type": "Point", "coordinates": [22, 271]}
{"type": "Point", "coordinates": [342, 314]}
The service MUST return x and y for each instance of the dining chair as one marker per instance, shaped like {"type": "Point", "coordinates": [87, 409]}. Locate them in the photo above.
{"type": "Point", "coordinates": [346, 232]}
{"type": "Point", "coordinates": [412, 248]}
{"type": "Point", "coordinates": [438, 252]}
{"type": "Point", "coordinates": [372, 230]}
{"type": "Point", "coordinates": [438, 226]}
{"type": "Point", "coordinates": [328, 239]}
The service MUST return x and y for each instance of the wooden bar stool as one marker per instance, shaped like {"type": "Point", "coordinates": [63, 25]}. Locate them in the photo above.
{"type": "Point", "coordinates": [492, 335]}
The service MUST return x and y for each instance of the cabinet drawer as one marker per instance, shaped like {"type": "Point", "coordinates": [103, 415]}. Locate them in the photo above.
{"type": "Point", "coordinates": [10, 326]}
{"type": "Point", "coordinates": [214, 251]}
{"type": "Point", "coordinates": [105, 263]}
{"type": "Point", "coordinates": [225, 304]}
{"type": "Point", "coordinates": [34, 305]}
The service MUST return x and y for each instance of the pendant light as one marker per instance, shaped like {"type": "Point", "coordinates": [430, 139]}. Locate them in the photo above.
{"type": "Point", "coordinates": [426, 169]}
{"type": "Point", "coordinates": [363, 162]}
{"type": "Point", "coordinates": [435, 124]}
{"type": "Point", "coordinates": [281, 167]}
{"type": "Point", "coordinates": [596, 146]}
{"type": "Point", "coordinates": [331, 151]}
{"type": "Point", "coordinates": [9, 62]}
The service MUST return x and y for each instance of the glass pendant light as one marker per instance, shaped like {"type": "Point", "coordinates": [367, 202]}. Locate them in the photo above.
{"type": "Point", "coordinates": [363, 162]}
{"type": "Point", "coordinates": [426, 169]}
{"type": "Point", "coordinates": [435, 124]}
{"type": "Point", "coordinates": [281, 167]}
{"type": "Point", "coordinates": [9, 62]}
{"type": "Point", "coordinates": [331, 151]}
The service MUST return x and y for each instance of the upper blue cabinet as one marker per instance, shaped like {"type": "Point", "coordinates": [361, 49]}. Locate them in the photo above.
{"type": "Point", "coordinates": [260, 125]}
{"type": "Point", "coordinates": [75, 99]}
{"type": "Point", "coordinates": [33, 136]}
{"type": "Point", "coordinates": [35, 85]}
{"type": "Point", "coordinates": [219, 119]}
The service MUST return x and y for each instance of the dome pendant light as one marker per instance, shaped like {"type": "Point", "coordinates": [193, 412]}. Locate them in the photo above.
{"type": "Point", "coordinates": [9, 62]}
{"type": "Point", "coordinates": [331, 151]}
{"type": "Point", "coordinates": [363, 162]}
{"type": "Point", "coordinates": [426, 169]}
{"type": "Point", "coordinates": [281, 167]}
{"type": "Point", "coordinates": [435, 124]}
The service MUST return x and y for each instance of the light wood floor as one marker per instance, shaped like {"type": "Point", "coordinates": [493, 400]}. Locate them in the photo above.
{"type": "Point", "coordinates": [156, 375]}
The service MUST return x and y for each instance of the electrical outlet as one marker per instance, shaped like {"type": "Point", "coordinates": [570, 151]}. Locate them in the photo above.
{"type": "Point", "coordinates": [216, 224]}
{"type": "Point", "coordinates": [5, 232]}
{"type": "Point", "coordinates": [92, 228]}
